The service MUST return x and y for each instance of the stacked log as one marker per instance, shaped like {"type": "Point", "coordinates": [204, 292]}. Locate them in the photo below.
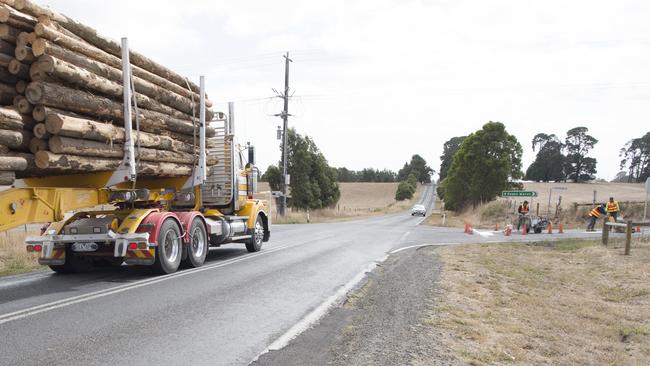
{"type": "Point", "coordinates": [62, 110]}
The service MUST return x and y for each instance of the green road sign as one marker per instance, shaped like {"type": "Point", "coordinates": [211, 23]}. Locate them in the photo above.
{"type": "Point", "coordinates": [518, 194]}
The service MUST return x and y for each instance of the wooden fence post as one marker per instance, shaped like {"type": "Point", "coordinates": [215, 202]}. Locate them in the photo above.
{"type": "Point", "coordinates": [628, 237]}
{"type": "Point", "coordinates": [605, 232]}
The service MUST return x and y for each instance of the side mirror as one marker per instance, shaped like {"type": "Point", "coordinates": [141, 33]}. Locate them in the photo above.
{"type": "Point", "coordinates": [251, 155]}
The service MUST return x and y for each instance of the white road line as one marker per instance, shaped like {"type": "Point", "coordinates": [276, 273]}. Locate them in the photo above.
{"type": "Point", "coordinates": [130, 286]}
{"type": "Point", "coordinates": [313, 317]}
{"type": "Point", "coordinates": [425, 245]}
{"type": "Point", "coordinates": [404, 236]}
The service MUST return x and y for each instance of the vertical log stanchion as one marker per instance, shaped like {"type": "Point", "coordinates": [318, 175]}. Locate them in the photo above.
{"type": "Point", "coordinates": [605, 233]}
{"type": "Point", "coordinates": [628, 237]}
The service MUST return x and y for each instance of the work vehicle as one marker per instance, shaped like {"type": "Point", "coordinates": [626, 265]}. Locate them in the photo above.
{"type": "Point", "coordinates": [536, 224]}
{"type": "Point", "coordinates": [116, 217]}
{"type": "Point", "coordinates": [419, 210]}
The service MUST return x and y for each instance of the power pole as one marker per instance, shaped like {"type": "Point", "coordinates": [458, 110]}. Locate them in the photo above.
{"type": "Point", "coordinates": [285, 121]}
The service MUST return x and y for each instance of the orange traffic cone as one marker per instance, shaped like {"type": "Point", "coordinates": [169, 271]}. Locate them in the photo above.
{"type": "Point", "coordinates": [466, 228]}
{"type": "Point", "coordinates": [496, 227]}
{"type": "Point", "coordinates": [550, 228]}
{"type": "Point", "coordinates": [561, 229]}
{"type": "Point", "coordinates": [525, 230]}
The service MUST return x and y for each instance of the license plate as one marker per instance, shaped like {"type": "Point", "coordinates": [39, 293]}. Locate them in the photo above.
{"type": "Point", "coordinates": [85, 247]}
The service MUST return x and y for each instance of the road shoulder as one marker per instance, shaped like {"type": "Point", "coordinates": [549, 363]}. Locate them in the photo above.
{"type": "Point", "coordinates": [381, 323]}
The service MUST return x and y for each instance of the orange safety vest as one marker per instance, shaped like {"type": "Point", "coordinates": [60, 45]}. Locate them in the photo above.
{"type": "Point", "coordinates": [595, 213]}
{"type": "Point", "coordinates": [612, 206]}
{"type": "Point", "coordinates": [525, 209]}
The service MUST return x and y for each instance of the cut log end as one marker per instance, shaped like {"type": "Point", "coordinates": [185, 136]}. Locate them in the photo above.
{"type": "Point", "coordinates": [37, 144]}
{"type": "Point", "coordinates": [39, 112]}
{"type": "Point", "coordinates": [34, 93]}
{"type": "Point", "coordinates": [25, 54]}
{"type": "Point", "coordinates": [21, 85]}
{"type": "Point", "coordinates": [38, 46]}
{"type": "Point", "coordinates": [20, 4]}
{"type": "Point", "coordinates": [53, 122]}
{"type": "Point", "coordinates": [40, 131]}
{"type": "Point", "coordinates": [4, 15]}
{"type": "Point", "coordinates": [24, 106]}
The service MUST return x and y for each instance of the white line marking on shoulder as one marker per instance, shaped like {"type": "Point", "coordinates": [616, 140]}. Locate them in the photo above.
{"type": "Point", "coordinates": [313, 317]}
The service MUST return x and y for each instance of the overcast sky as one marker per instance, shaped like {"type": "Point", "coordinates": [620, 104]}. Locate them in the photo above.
{"type": "Point", "coordinates": [377, 81]}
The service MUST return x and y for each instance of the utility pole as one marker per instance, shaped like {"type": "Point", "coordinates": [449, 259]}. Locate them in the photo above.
{"type": "Point", "coordinates": [285, 121]}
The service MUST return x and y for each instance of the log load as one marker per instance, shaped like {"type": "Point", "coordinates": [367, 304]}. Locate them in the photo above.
{"type": "Point", "coordinates": [71, 146]}
{"type": "Point", "coordinates": [62, 88]}
{"type": "Point", "coordinates": [49, 160]}
{"type": "Point", "coordinates": [82, 102]}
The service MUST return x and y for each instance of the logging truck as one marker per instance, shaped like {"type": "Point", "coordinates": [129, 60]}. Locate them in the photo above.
{"type": "Point", "coordinates": [117, 217]}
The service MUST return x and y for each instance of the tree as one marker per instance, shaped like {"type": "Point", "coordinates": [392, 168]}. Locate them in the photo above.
{"type": "Point", "coordinates": [636, 158]}
{"type": "Point", "coordinates": [621, 177]}
{"type": "Point", "coordinates": [486, 163]}
{"type": "Point", "coordinates": [365, 175]}
{"type": "Point", "coordinates": [549, 163]}
{"type": "Point", "coordinates": [577, 165]}
{"type": "Point", "coordinates": [405, 191]}
{"type": "Point", "coordinates": [273, 176]}
{"type": "Point", "coordinates": [448, 151]}
{"type": "Point", "coordinates": [313, 181]}
{"type": "Point", "coordinates": [418, 166]}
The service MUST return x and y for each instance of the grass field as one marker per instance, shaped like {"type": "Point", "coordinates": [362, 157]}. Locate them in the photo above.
{"type": "Point", "coordinates": [584, 192]}
{"type": "Point", "coordinates": [13, 256]}
{"type": "Point", "coordinates": [569, 303]}
{"type": "Point", "coordinates": [357, 200]}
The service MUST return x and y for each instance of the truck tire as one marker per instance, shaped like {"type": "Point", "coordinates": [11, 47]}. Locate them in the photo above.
{"type": "Point", "coordinates": [197, 248]}
{"type": "Point", "coordinates": [170, 248]}
{"type": "Point", "coordinates": [254, 244]}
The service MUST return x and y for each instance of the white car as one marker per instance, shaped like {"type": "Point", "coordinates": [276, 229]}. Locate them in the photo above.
{"type": "Point", "coordinates": [419, 210]}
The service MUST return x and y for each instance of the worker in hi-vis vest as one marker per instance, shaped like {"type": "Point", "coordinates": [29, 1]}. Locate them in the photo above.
{"type": "Point", "coordinates": [613, 208]}
{"type": "Point", "coordinates": [523, 212]}
{"type": "Point", "coordinates": [594, 215]}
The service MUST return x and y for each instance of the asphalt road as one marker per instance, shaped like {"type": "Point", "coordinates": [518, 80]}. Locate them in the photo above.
{"type": "Point", "coordinates": [225, 313]}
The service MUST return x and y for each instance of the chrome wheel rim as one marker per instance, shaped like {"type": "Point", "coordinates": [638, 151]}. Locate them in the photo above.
{"type": "Point", "coordinates": [259, 233]}
{"type": "Point", "coordinates": [198, 242]}
{"type": "Point", "coordinates": [170, 245]}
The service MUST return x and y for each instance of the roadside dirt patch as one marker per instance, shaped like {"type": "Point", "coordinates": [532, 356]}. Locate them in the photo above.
{"type": "Point", "coordinates": [381, 324]}
{"type": "Point", "coordinates": [571, 302]}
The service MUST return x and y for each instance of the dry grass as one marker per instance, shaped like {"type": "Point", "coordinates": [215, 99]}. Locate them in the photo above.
{"type": "Point", "coordinates": [358, 200]}
{"type": "Point", "coordinates": [13, 256]}
{"type": "Point", "coordinates": [569, 303]}
{"type": "Point", "coordinates": [584, 192]}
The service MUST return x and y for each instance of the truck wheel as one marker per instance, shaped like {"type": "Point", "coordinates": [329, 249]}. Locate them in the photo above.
{"type": "Point", "coordinates": [169, 249]}
{"type": "Point", "coordinates": [254, 244]}
{"type": "Point", "coordinates": [197, 249]}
